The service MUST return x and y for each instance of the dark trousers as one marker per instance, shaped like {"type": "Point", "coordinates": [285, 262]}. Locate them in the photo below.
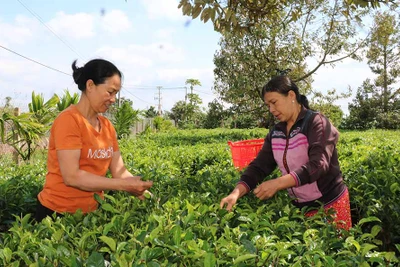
{"type": "Point", "coordinates": [42, 212]}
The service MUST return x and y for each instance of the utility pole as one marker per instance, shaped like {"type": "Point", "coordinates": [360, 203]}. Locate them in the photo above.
{"type": "Point", "coordinates": [159, 100]}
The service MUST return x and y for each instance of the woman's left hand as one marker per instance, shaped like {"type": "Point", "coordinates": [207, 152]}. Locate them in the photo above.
{"type": "Point", "coordinates": [267, 189]}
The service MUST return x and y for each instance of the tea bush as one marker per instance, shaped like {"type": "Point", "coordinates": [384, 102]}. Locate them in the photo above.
{"type": "Point", "coordinates": [182, 224]}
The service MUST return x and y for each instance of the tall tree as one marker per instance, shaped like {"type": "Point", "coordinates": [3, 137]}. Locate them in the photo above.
{"type": "Point", "coordinates": [192, 83]}
{"type": "Point", "coordinates": [384, 58]}
{"type": "Point", "coordinates": [363, 109]}
{"type": "Point", "coordinates": [321, 34]}
{"type": "Point", "coordinates": [377, 103]}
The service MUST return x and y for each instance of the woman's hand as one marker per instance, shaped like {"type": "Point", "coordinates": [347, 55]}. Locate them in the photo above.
{"type": "Point", "coordinates": [239, 191]}
{"type": "Point", "coordinates": [135, 186]}
{"type": "Point", "coordinates": [229, 201]}
{"type": "Point", "coordinates": [267, 189]}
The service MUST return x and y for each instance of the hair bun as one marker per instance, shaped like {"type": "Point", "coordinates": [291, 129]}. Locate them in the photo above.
{"type": "Point", "coordinates": [304, 101]}
{"type": "Point", "coordinates": [77, 72]}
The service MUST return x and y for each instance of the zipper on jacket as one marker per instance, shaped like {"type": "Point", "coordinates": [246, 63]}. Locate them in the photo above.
{"type": "Point", "coordinates": [284, 159]}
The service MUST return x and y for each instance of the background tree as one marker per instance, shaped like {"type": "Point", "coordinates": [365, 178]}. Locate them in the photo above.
{"type": "Point", "coordinates": [384, 54]}
{"type": "Point", "coordinates": [363, 109]}
{"type": "Point", "coordinates": [246, 62]}
{"type": "Point", "coordinates": [192, 83]}
{"type": "Point", "coordinates": [151, 112]}
{"type": "Point", "coordinates": [325, 103]}
{"type": "Point", "coordinates": [241, 15]}
{"type": "Point", "coordinates": [377, 102]}
{"type": "Point", "coordinates": [188, 115]}
{"type": "Point", "coordinates": [216, 115]}
{"type": "Point", "coordinates": [178, 112]}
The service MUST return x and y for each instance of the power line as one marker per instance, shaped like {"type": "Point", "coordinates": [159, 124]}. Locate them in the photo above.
{"type": "Point", "coordinates": [154, 87]}
{"type": "Point", "coordinates": [138, 97]}
{"type": "Point", "coordinates": [9, 50]}
{"type": "Point", "coordinates": [50, 29]}
{"type": "Point", "coordinates": [203, 92]}
{"type": "Point", "coordinates": [139, 86]}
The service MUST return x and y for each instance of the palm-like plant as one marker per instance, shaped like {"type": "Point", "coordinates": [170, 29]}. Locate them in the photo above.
{"type": "Point", "coordinates": [24, 133]}
{"type": "Point", "coordinates": [66, 100]}
{"type": "Point", "coordinates": [44, 112]}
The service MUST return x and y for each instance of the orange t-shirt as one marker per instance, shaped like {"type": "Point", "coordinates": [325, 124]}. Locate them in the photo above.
{"type": "Point", "coordinates": [72, 131]}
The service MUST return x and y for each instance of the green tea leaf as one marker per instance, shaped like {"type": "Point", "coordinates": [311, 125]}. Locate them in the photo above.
{"type": "Point", "coordinates": [176, 231]}
{"type": "Point", "coordinates": [366, 248]}
{"type": "Point", "coordinates": [394, 188]}
{"type": "Point", "coordinates": [95, 260]}
{"type": "Point", "coordinates": [210, 260]}
{"type": "Point", "coordinates": [7, 253]}
{"type": "Point", "coordinates": [109, 241]}
{"type": "Point", "coordinates": [369, 219]}
{"type": "Point", "coordinates": [244, 258]}
{"type": "Point", "coordinates": [375, 230]}
{"type": "Point", "coordinates": [353, 242]}
{"type": "Point", "coordinates": [108, 207]}
{"type": "Point", "coordinates": [249, 246]}
{"type": "Point", "coordinates": [98, 198]}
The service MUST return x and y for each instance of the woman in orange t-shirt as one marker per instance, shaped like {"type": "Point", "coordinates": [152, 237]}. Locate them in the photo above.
{"type": "Point", "coordinates": [83, 147]}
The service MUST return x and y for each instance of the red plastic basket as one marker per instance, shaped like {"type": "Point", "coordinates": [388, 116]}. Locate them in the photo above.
{"type": "Point", "coordinates": [243, 152]}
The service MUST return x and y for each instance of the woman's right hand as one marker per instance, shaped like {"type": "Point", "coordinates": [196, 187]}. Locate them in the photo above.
{"type": "Point", "coordinates": [229, 201]}
{"type": "Point", "coordinates": [135, 186]}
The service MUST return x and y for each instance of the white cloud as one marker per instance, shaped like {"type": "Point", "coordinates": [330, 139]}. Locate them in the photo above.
{"type": "Point", "coordinates": [166, 52]}
{"type": "Point", "coordinates": [164, 33]}
{"type": "Point", "coordinates": [143, 56]}
{"type": "Point", "coordinates": [181, 74]}
{"type": "Point", "coordinates": [16, 67]}
{"type": "Point", "coordinates": [163, 9]}
{"type": "Point", "coordinates": [130, 55]}
{"type": "Point", "coordinates": [77, 26]}
{"type": "Point", "coordinates": [115, 21]}
{"type": "Point", "coordinates": [16, 33]}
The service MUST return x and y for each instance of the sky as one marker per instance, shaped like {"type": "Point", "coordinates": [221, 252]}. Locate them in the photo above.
{"type": "Point", "coordinates": [150, 41]}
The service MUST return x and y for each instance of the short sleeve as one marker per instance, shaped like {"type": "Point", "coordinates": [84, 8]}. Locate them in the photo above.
{"type": "Point", "coordinates": [66, 132]}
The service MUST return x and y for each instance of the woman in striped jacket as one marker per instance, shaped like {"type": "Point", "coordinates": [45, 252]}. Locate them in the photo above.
{"type": "Point", "coordinates": [303, 146]}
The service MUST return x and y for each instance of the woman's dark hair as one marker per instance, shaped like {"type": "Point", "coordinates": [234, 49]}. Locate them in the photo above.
{"type": "Point", "coordinates": [283, 84]}
{"type": "Point", "coordinates": [97, 70]}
